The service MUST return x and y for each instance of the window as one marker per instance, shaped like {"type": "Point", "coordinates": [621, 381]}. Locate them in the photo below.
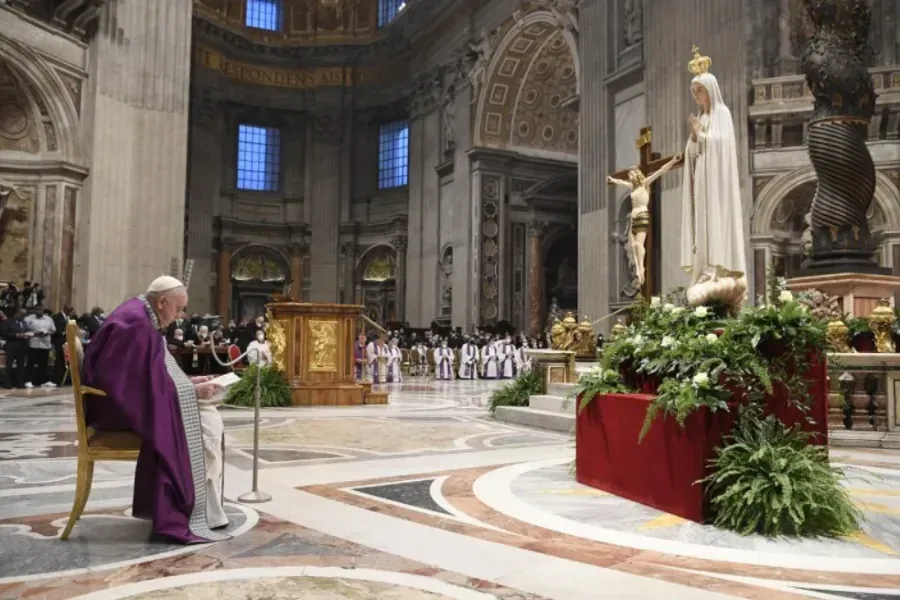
{"type": "Point", "coordinates": [263, 14]}
{"type": "Point", "coordinates": [259, 158]}
{"type": "Point", "coordinates": [388, 10]}
{"type": "Point", "coordinates": [393, 155]}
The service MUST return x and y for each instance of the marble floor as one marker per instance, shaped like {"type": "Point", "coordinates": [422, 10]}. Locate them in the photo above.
{"type": "Point", "coordinates": [427, 497]}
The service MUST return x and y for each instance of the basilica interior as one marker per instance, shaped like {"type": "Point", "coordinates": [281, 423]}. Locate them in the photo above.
{"type": "Point", "coordinates": [443, 164]}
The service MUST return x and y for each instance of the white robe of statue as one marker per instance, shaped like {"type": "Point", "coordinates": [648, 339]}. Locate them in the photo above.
{"type": "Point", "coordinates": [712, 240]}
{"type": "Point", "coordinates": [443, 363]}
{"type": "Point", "coordinates": [212, 429]}
{"type": "Point", "coordinates": [468, 361]}
{"type": "Point", "coordinates": [395, 357]}
{"type": "Point", "coordinates": [490, 361]}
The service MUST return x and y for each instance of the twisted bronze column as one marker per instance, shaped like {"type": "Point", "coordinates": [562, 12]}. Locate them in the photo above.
{"type": "Point", "coordinates": [835, 63]}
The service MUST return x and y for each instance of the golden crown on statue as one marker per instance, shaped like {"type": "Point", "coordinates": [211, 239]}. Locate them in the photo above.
{"type": "Point", "coordinates": [699, 64]}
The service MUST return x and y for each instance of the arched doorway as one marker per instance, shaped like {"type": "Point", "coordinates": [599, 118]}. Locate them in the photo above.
{"type": "Point", "coordinates": [561, 272]}
{"type": "Point", "coordinates": [376, 274]}
{"type": "Point", "coordinates": [257, 272]}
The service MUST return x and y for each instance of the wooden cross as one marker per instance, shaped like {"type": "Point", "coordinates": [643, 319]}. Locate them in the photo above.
{"type": "Point", "coordinates": [650, 163]}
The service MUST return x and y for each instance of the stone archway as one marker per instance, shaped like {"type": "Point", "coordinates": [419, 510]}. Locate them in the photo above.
{"type": "Point", "coordinates": [531, 74]}
{"type": "Point", "coordinates": [41, 159]}
{"type": "Point", "coordinates": [560, 269]}
{"type": "Point", "coordinates": [777, 224]}
{"type": "Point", "coordinates": [257, 272]}
{"type": "Point", "coordinates": [376, 283]}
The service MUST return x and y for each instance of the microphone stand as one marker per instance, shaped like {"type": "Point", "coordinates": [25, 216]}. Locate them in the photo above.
{"type": "Point", "coordinates": [254, 496]}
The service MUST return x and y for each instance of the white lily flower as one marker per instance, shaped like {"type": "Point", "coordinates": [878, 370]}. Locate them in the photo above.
{"type": "Point", "coordinates": [701, 311]}
{"type": "Point", "coordinates": [786, 296]}
{"type": "Point", "coordinates": [701, 379]}
{"type": "Point", "coordinates": [712, 338]}
{"type": "Point", "coordinates": [667, 341]}
{"type": "Point", "coordinates": [655, 302]}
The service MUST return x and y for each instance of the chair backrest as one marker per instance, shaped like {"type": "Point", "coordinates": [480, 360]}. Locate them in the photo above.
{"type": "Point", "coordinates": [74, 350]}
{"type": "Point", "coordinates": [233, 352]}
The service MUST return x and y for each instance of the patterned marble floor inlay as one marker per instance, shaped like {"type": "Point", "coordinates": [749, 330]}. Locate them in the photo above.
{"type": "Point", "coordinates": [427, 497]}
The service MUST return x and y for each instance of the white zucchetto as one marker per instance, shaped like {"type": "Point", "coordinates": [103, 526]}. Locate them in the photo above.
{"type": "Point", "coordinates": [164, 283]}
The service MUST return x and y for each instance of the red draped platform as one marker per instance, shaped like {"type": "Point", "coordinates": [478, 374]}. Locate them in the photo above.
{"type": "Point", "coordinates": [662, 470]}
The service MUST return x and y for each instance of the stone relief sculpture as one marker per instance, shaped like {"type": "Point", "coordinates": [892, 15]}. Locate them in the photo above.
{"type": "Point", "coordinates": [634, 22]}
{"type": "Point", "coordinates": [481, 48]}
{"type": "Point", "coordinates": [448, 118]}
{"type": "Point", "coordinates": [446, 267]}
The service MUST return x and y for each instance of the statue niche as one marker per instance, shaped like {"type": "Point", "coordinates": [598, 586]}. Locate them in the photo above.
{"type": "Point", "coordinates": [376, 274]}
{"type": "Point", "coordinates": [447, 282]}
{"type": "Point", "coordinates": [257, 273]}
{"type": "Point", "coordinates": [561, 272]}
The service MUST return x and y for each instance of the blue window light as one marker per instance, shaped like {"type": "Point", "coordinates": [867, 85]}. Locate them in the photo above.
{"type": "Point", "coordinates": [259, 158]}
{"type": "Point", "coordinates": [393, 155]}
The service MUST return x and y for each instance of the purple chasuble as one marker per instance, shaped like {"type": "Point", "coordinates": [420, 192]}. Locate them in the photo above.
{"type": "Point", "coordinates": [147, 393]}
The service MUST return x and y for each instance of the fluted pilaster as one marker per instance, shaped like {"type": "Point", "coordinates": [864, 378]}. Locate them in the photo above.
{"type": "Point", "coordinates": [672, 27]}
{"type": "Point", "coordinates": [136, 118]}
{"type": "Point", "coordinates": [595, 159]}
{"type": "Point", "coordinates": [325, 198]}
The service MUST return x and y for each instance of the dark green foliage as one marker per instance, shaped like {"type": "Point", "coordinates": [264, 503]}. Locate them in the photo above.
{"type": "Point", "coordinates": [516, 392]}
{"type": "Point", "coordinates": [769, 480]}
{"type": "Point", "coordinates": [273, 389]}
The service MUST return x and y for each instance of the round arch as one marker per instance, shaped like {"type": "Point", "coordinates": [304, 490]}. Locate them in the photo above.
{"type": "Point", "coordinates": [372, 253]}
{"type": "Point", "coordinates": [54, 96]}
{"type": "Point", "coordinates": [887, 197]}
{"type": "Point", "coordinates": [265, 251]}
{"type": "Point", "coordinates": [533, 69]}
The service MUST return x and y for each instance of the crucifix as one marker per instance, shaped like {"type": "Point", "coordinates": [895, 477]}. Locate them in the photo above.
{"type": "Point", "coordinates": [652, 166]}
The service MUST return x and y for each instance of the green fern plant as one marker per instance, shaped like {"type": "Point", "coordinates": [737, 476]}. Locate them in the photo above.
{"type": "Point", "coordinates": [769, 480]}
{"type": "Point", "coordinates": [517, 392]}
{"type": "Point", "coordinates": [273, 389]}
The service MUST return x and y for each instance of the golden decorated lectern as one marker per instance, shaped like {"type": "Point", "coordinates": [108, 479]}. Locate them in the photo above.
{"type": "Point", "coordinates": [312, 344]}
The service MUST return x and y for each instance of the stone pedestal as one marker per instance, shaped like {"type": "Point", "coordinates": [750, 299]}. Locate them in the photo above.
{"type": "Point", "coordinates": [859, 293]}
{"type": "Point", "coordinates": [553, 366]}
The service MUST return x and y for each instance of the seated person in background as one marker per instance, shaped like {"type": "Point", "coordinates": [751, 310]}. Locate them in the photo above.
{"type": "Point", "coordinates": [177, 483]}
{"type": "Point", "coordinates": [258, 351]}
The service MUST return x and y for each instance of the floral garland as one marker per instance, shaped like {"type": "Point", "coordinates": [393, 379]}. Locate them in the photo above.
{"type": "Point", "coordinates": [699, 358]}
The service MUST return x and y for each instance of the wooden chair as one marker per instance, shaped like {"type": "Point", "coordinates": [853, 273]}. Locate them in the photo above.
{"type": "Point", "coordinates": [92, 445]}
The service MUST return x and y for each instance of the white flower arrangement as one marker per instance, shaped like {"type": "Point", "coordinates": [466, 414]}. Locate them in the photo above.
{"type": "Point", "coordinates": [667, 341]}
{"type": "Point", "coordinates": [677, 310]}
{"type": "Point", "coordinates": [701, 311]}
{"type": "Point", "coordinates": [669, 307]}
{"type": "Point", "coordinates": [711, 338]}
{"type": "Point", "coordinates": [785, 296]}
{"type": "Point", "coordinates": [701, 379]}
{"type": "Point", "coordinates": [655, 302]}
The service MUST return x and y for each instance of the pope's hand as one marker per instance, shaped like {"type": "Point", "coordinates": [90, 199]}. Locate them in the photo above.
{"type": "Point", "coordinates": [207, 390]}
{"type": "Point", "coordinates": [202, 379]}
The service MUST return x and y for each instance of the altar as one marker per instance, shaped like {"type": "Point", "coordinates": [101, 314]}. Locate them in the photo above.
{"type": "Point", "coordinates": [313, 348]}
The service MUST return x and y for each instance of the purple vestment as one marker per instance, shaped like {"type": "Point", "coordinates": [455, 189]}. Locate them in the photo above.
{"type": "Point", "coordinates": [127, 359]}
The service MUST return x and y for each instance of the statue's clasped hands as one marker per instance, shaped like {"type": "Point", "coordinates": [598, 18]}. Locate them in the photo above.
{"type": "Point", "coordinates": [694, 122]}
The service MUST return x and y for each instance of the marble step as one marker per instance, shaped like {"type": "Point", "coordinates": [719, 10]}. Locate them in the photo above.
{"type": "Point", "coordinates": [532, 417]}
{"type": "Point", "coordinates": [552, 403]}
{"type": "Point", "coordinates": [560, 389]}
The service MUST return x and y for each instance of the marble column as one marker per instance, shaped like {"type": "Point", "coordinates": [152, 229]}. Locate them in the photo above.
{"type": "Point", "coordinates": [223, 306]}
{"type": "Point", "coordinates": [536, 231]}
{"type": "Point", "coordinates": [399, 243]}
{"type": "Point", "coordinates": [298, 250]}
{"type": "Point", "coordinates": [324, 191]}
{"type": "Point", "coordinates": [672, 28]}
{"type": "Point", "coordinates": [204, 183]}
{"type": "Point", "coordinates": [349, 252]}
{"type": "Point", "coordinates": [131, 225]}
{"type": "Point", "coordinates": [596, 156]}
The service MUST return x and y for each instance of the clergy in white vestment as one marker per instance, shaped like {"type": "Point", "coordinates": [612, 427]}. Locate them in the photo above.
{"type": "Point", "coordinates": [395, 357]}
{"type": "Point", "coordinates": [508, 359]}
{"type": "Point", "coordinates": [258, 352]}
{"type": "Point", "coordinates": [443, 362]}
{"type": "Point", "coordinates": [468, 361]}
{"type": "Point", "coordinates": [377, 355]}
{"type": "Point", "coordinates": [421, 355]}
{"type": "Point", "coordinates": [490, 361]}
{"type": "Point", "coordinates": [712, 232]}
{"type": "Point", "coordinates": [523, 360]}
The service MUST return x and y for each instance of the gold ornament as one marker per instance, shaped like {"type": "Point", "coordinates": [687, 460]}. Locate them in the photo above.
{"type": "Point", "coordinates": [618, 329]}
{"type": "Point", "coordinates": [277, 339]}
{"type": "Point", "coordinates": [838, 335]}
{"type": "Point", "coordinates": [323, 346]}
{"type": "Point", "coordinates": [699, 64]}
{"type": "Point", "coordinates": [882, 322]}
{"type": "Point", "coordinates": [572, 336]}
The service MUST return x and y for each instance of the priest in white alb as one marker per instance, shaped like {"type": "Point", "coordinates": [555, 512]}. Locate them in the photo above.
{"type": "Point", "coordinates": [712, 241]}
{"type": "Point", "coordinates": [178, 480]}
